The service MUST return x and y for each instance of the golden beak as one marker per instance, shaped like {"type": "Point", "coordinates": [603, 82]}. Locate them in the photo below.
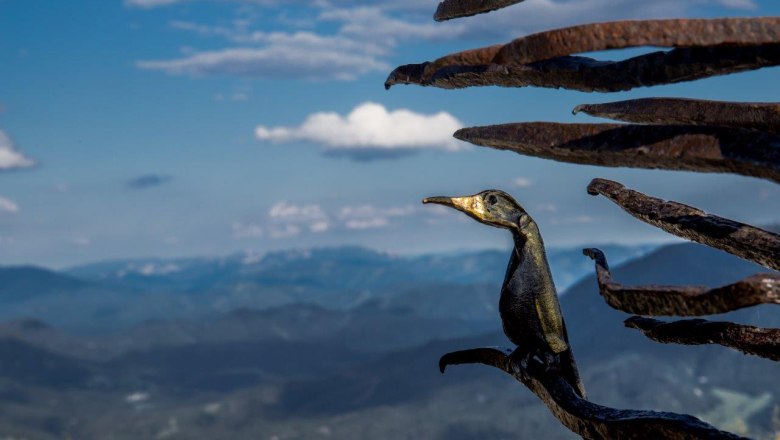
{"type": "Point", "coordinates": [471, 205]}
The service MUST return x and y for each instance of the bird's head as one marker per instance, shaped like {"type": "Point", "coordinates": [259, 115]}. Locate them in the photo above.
{"type": "Point", "coordinates": [491, 207]}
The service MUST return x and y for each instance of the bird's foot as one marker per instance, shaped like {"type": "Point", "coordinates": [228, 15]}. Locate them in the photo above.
{"type": "Point", "coordinates": [521, 357]}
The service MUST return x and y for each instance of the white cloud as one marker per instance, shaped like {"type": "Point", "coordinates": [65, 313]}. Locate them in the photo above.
{"type": "Point", "coordinates": [371, 217]}
{"type": "Point", "coordinates": [8, 206]}
{"type": "Point", "coordinates": [10, 158]}
{"type": "Point", "coordinates": [288, 220]}
{"type": "Point", "coordinates": [367, 32]}
{"type": "Point", "coordinates": [151, 3]}
{"type": "Point", "coordinates": [273, 62]}
{"type": "Point", "coordinates": [370, 128]}
{"type": "Point", "coordinates": [81, 241]}
{"type": "Point", "coordinates": [242, 230]}
{"type": "Point", "coordinates": [372, 23]}
{"type": "Point", "coordinates": [539, 15]}
{"type": "Point", "coordinates": [522, 182]}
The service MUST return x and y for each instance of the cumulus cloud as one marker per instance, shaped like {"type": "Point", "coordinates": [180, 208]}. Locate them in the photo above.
{"type": "Point", "coordinates": [148, 181]}
{"type": "Point", "coordinates": [8, 206]}
{"type": "Point", "coordinates": [370, 131]}
{"type": "Point", "coordinates": [10, 157]}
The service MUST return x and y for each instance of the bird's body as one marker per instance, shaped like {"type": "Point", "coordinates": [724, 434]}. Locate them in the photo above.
{"type": "Point", "coordinates": [529, 302]}
{"type": "Point", "coordinates": [529, 308]}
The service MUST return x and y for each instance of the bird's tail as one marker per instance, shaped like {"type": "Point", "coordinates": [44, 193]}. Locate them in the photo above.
{"type": "Point", "coordinates": [569, 372]}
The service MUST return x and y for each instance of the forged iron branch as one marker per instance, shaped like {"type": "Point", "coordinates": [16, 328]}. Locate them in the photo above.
{"type": "Point", "coordinates": [745, 241]}
{"type": "Point", "coordinates": [449, 9]}
{"type": "Point", "coordinates": [672, 147]}
{"type": "Point", "coordinates": [684, 300]}
{"type": "Point", "coordinates": [747, 115]}
{"type": "Point", "coordinates": [589, 75]}
{"type": "Point", "coordinates": [671, 33]}
{"type": "Point", "coordinates": [589, 420]}
{"type": "Point", "coordinates": [762, 342]}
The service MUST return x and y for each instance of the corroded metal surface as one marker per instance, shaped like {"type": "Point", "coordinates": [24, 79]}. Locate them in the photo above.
{"type": "Point", "coordinates": [756, 341]}
{"type": "Point", "coordinates": [589, 420]}
{"type": "Point", "coordinates": [745, 241]}
{"type": "Point", "coordinates": [589, 75]}
{"type": "Point", "coordinates": [684, 300]}
{"type": "Point", "coordinates": [673, 147]}
{"type": "Point", "coordinates": [748, 115]}
{"type": "Point", "coordinates": [449, 9]}
{"type": "Point", "coordinates": [617, 35]}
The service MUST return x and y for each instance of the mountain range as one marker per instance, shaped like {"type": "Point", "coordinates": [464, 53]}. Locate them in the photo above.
{"type": "Point", "coordinates": [363, 367]}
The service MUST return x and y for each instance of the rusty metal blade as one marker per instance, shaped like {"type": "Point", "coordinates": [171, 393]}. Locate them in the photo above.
{"type": "Point", "coordinates": [449, 9]}
{"type": "Point", "coordinates": [586, 419]}
{"type": "Point", "coordinates": [618, 35]}
{"type": "Point", "coordinates": [756, 341]}
{"type": "Point", "coordinates": [684, 300]}
{"type": "Point", "coordinates": [748, 115]}
{"type": "Point", "coordinates": [744, 241]}
{"type": "Point", "coordinates": [589, 75]}
{"type": "Point", "coordinates": [673, 147]}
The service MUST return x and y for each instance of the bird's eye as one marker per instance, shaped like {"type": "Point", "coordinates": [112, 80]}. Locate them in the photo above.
{"type": "Point", "coordinates": [492, 200]}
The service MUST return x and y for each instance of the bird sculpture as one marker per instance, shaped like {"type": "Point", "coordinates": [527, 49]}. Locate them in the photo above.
{"type": "Point", "coordinates": [529, 308]}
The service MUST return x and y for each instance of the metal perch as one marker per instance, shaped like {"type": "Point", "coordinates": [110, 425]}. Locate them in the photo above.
{"type": "Point", "coordinates": [684, 300]}
{"type": "Point", "coordinates": [587, 419]}
{"type": "Point", "coordinates": [763, 342]}
{"type": "Point", "coordinates": [745, 241]}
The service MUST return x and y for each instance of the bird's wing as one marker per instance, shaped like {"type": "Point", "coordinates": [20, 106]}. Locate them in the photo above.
{"type": "Point", "coordinates": [549, 313]}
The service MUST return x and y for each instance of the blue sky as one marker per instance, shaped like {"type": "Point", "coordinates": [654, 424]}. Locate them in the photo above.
{"type": "Point", "coordinates": [195, 127]}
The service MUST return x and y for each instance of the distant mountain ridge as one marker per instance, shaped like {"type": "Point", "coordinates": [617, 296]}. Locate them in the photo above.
{"type": "Point", "coordinates": [348, 267]}
{"type": "Point", "coordinates": [110, 296]}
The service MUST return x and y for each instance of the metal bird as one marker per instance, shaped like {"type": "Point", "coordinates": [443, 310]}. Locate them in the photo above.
{"type": "Point", "coordinates": [529, 308]}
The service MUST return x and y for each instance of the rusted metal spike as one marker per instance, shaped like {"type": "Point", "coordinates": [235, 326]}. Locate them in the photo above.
{"type": "Point", "coordinates": [754, 116]}
{"type": "Point", "coordinates": [589, 75]}
{"type": "Point", "coordinates": [745, 241]}
{"type": "Point", "coordinates": [673, 147]}
{"type": "Point", "coordinates": [756, 341]}
{"type": "Point", "coordinates": [449, 9]}
{"type": "Point", "coordinates": [586, 419]}
{"type": "Point", "coordinates": [684, 300]}
{"type": "Point", "coordinates": [617, 35]}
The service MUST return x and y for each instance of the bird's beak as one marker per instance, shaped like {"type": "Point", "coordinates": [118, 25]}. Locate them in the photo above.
{"type": "Point", "coordinates": [465, 204]}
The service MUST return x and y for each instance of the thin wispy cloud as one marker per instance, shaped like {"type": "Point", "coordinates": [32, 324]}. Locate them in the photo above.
{"type": "Point", "coordinates": [10, 157]}
{"type": "Point", "coordinates": [241, 230]}
{"type": "Point", "coordinates": [371, 131]}
{"type": "Point", "coordinates": [289, 220]}
{"type": "Point", "coordinates": [149, 181]}
{"type": "Point", "coordinates": [8, 206]}
{"type": "Point", "coordinates": [371, 217]}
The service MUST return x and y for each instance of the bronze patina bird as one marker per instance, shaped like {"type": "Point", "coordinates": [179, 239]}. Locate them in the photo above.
{"type": "Point", "coordinates": [529, 308]}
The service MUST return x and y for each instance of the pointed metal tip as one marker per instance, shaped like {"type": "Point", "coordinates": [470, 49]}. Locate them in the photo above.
{"type": "Point", "coordinates": [437, 200]}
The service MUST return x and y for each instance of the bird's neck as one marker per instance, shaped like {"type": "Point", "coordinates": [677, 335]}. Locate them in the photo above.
{"type": "Point", "coordinates": [529, 246]}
